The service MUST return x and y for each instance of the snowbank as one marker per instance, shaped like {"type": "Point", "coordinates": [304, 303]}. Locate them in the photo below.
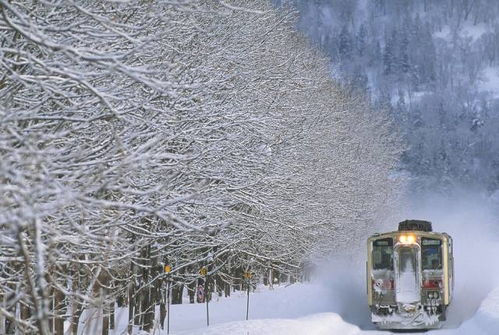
{"type": "Point", "coordinates": [294, 301]}
{"type": "Point", "coordinates": [487, 316]}
{"type": "Point", "coordinates": [484, 322]}
{"type": "Point", "coordinates": [486, 319]}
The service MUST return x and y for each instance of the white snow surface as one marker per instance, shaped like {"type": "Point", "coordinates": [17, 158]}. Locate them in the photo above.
{"type": "Point", "coordinates": [324, 323]}
{"type": "Point", "coordinates": [485, 321]}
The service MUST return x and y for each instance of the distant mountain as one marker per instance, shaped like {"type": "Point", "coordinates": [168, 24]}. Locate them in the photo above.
{"type": "Point", "coordinates": [434, 64]}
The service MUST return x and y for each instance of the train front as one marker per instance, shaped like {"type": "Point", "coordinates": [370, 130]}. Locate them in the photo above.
{"type": "Point", "coordinates": [408, 278]}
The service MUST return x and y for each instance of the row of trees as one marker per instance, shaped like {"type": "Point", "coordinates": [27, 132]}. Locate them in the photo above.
{"type": "Point", "coordinates": [434, 65]}
{"type": "Point", "coordinates": [192, 134]}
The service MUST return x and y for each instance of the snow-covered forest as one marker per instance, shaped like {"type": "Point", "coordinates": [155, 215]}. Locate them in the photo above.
{"type": "Point", "coordinates": [149, 143]}
{"type": "Point", "coordinates": [434, 65]}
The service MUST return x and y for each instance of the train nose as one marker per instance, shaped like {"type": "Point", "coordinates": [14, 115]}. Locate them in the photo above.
{"type": "Point", "coordinates": [407, 276]}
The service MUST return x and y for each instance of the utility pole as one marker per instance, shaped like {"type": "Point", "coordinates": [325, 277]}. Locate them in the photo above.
{"type": "Point", "coordinates": [247, 276]}
{"type": "Point", "coordinates": [167, 269]}
{"type": "Point", "coordinates": [204, 272]}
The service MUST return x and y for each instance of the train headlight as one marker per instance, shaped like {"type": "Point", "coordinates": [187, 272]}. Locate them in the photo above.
{"type": "Point", "coordinates": [407, 239]}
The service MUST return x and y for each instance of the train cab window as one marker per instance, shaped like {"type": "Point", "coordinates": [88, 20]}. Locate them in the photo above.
{"type": "Point", "coordinates": [431, 253]}
{"type": "Point", "coordinates": [383, 254]}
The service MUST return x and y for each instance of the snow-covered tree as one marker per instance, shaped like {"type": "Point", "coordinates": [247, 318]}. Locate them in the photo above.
{"type": "Point", "coordinates": [191, 134]}
{"type": "Point", "coordinates": [439, 51]}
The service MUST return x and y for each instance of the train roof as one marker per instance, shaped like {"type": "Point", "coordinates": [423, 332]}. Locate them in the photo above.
{"type": "Point", "coordinates": [417, 225]}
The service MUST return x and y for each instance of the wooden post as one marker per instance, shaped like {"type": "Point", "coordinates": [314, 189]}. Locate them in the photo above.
{"type": "Point", "coordinates": [168, 307]}
{"type": "Point", "coordinates": [206, 299]}
{"type": "Point", "coordinates": [247, 301]}
{"type": "Point", "coordinates": [247, 278]}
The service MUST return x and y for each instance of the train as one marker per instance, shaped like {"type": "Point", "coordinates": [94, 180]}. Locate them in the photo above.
{"type": "Point", "coordinates": [410, 276]}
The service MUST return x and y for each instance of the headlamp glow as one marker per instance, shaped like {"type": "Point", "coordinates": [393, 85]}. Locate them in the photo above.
{"type": "Point", "coordinates": [407, 239]}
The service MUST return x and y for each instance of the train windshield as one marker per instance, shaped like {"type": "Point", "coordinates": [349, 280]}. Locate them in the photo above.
{"type": "Point", "coordinates": [431, 252]}
{"type": "Point", "coordinates": [383, 254]}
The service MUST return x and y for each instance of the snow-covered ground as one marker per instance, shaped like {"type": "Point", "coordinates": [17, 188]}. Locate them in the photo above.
{"type": "Point", "coordinates": [484, 321]}
{"type": "Point", "coordinates": [335, 302]}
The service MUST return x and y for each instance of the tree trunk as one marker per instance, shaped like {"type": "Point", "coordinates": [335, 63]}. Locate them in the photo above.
{"type": "Point", "coordinates": [137, 309]}
{"type": "Point", "coordinates": [105, 312]}
{"type": "Point", "coordinates": [105, 317]}
{"type": "Point", "coordinates": [9, 324]}
{"type": "Point", "coordinates": [191, 290]}
{"type": "Point", "coordinates": [17, 311]}
{"type": "Point", "coordinates": [75, 318]}
{"type": "Point", "coordinates": [112, 315]}
{"type": "Point", "coordinates": [25, 313]}
{"type": "Point", "coordinates": [219, 285]}
{"type": "Point", "coordinates": [3, 300]}
{"type": "Point", "coordinates": [58, 312]}
{"type": "Point", "coordinates": [103, 282]}
{"type": "Point", "coordinates": [163, 293]}
{"type": "Point", "coordinates": [76, 307]}
{"type": "Point", "coordinates": [162, 314]}
{"type": "Point", "coordinates": [177, 292]}
{"type": "Point", "coordinates": [148, 310]}
{"type": "Point", "coordinates": [120, 301]}
{"type": "Point", "coordinates": [153, 297]}
{"type": "Point", "coordinates": [131, 305]}
{"type": "Point", "coordinates": [51, 308]}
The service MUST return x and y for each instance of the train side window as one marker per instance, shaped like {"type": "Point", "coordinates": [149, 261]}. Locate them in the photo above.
{"type": "Point", "coordinates": [431, 252]}
{"type": "Point", "coordinates": [383, 254]}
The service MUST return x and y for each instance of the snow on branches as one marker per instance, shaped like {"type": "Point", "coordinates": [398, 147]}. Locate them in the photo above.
{"type": "Point", "coordinates": [143, 133]}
